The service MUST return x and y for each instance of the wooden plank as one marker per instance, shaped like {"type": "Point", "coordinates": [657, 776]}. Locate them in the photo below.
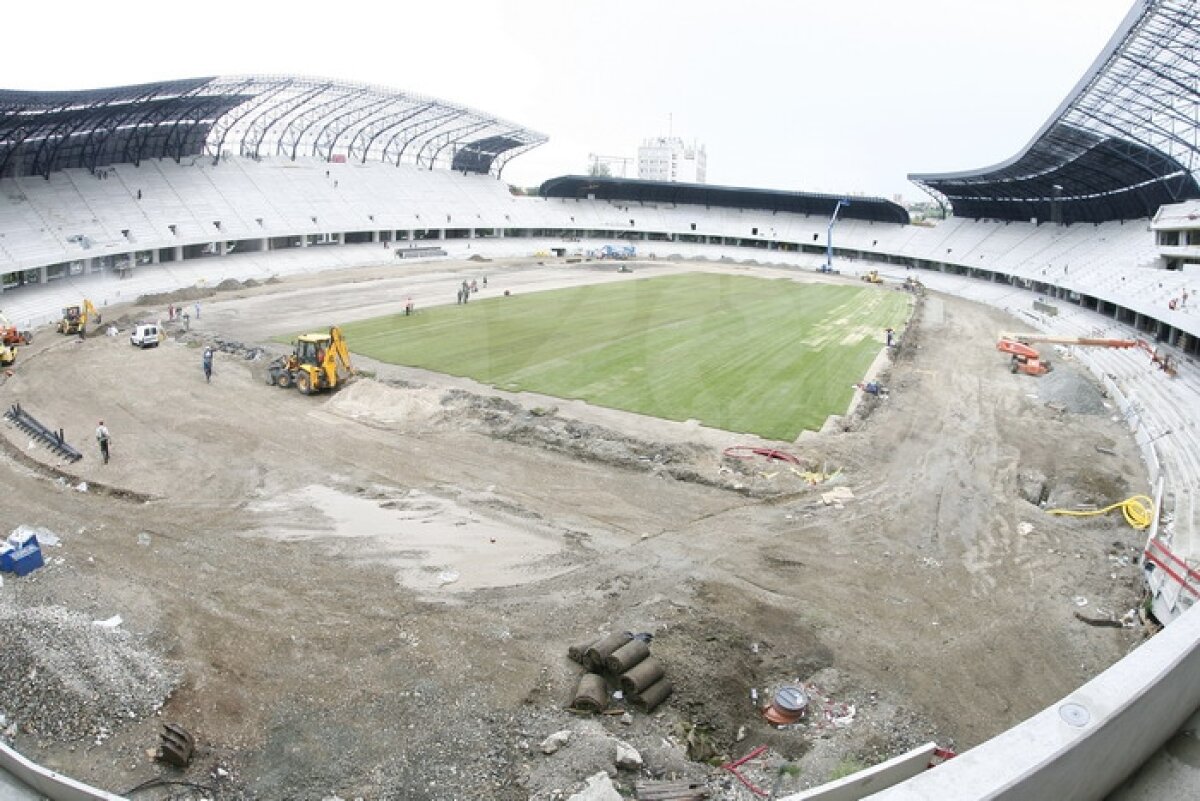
{"type": "Point", "coordinates": [671, 791]}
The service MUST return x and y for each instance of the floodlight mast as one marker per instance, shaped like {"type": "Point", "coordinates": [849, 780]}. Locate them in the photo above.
{"type": "Point", "coordinates": [827, 267]}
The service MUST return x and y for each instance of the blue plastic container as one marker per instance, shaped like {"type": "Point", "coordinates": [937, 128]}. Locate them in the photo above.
{"type": "Point", "coordinates": [28, 559]}
{"type": "Point", "coordinates": [25, 556]}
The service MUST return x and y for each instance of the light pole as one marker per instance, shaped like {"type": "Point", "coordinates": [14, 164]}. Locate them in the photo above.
{"type": "Point", "coordinates": [828, 266]}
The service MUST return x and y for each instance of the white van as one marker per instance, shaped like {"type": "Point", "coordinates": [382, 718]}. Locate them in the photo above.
{"type": "Point", "coordinates": [146, 335]}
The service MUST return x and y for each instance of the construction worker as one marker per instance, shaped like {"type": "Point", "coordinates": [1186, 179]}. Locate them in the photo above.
{"type": "Point", "coordinates": [208, 362]}
{"type": "Point", "coordinates": [102, 438]}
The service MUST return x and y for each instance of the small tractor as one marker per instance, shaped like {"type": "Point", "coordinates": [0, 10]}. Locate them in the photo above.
{"type": "Point", "coordinates": [317, 362]}
{"type": "Point", "coordinates": [871, 277]}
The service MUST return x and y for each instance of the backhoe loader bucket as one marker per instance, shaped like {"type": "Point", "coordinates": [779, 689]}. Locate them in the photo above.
{"type": "Point", "coordinates": [175, 746]}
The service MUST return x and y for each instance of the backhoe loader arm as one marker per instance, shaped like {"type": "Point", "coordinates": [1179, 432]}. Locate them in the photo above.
{"type": "Point", "coordinates": [338, 354]}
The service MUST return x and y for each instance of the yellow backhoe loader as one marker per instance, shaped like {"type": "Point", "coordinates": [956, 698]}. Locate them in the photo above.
{"type": "Point", "coordinates": [75, 318]}
{"type": "Point", "coordinates": [871, 277]}
{"type": "Point", "coordinates": [317, 362]}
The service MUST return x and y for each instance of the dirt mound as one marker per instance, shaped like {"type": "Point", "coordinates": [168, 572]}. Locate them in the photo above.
{"type": "Point", "coordinates": [178, 296]}
{"type": "Point", "coordinates": [378, 404]}
{"type": "Point", "coordinates": [192, 293]}
{"type": "Point", "coordinates": [477, 257]}
{"type": "Point", "coordinates": [66, 677]}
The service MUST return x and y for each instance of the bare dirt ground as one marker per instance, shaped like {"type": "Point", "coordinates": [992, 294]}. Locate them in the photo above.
{"type": "Point", "coordinates": [370, 594]}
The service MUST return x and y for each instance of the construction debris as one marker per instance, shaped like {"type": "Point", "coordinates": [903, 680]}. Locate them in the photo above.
{"type": "Point", "coordinates": [670, 791]}
{"type": "Point", "coordinates": [556, 741]}
{"type": "Point", "coordinates": [815, 477]}
{"type": "Point", "coordinates": [836, 496]}
{"type": "Point", "coordinates": [627, 757]}
{"type": "Point", "coordinates": [599, 788]}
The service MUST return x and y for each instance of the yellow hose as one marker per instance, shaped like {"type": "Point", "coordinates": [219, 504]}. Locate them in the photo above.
{"type": "Point", "coordinates": [1138, 511]}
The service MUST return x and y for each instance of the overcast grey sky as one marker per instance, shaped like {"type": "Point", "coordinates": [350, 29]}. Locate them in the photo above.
{"type": "Point", "coordinates": [832, 96]}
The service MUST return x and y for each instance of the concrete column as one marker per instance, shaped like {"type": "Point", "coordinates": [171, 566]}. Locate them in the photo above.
{"type": "Point", "coordinates": [499, 233]}
{"type": "Point", "coordinates": [341, 238]}
{"type": "Point", "coordinates": [178, 253]}
{"type": "Point", "coordinates": [470, 233]}
{"type": "Point", "coordinates": [303, 240]}
{"type": "Point", "coordinates": [375, 237]}
{"type": "Point", "coordinates": [441, 233]}
{"type": "Point", "coordinates": [411, 234]}
{"type": "Point", "coordinates": [42, 275]}
{"type": "Point", "coordinates": [223, 248]}
{"type": "Point", "coordinates": [266, 245]}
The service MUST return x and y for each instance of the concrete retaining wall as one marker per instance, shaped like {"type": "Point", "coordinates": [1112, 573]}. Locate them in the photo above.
{"type": "Point", "coordinates": [52, 785]}
{"type": "Point", "coordinates": [873, 779]}
{"type": "Point", "coordinates": [1084, 746]}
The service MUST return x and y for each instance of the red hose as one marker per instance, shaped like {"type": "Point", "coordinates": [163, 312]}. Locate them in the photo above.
{"type": "Point", "coordinates": [737, 451]}
{"type": "Point", "coordinates": [733, 766]}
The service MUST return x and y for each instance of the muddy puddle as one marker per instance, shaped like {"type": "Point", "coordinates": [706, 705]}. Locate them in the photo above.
{"type": "Point", "coordinates": [435, 545]}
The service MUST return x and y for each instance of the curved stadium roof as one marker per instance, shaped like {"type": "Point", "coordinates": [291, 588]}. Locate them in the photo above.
{"type": "Point", "coordinates": [253, 116]}
{"type": "Point", "coordinates": [608, 188]}
{"type": "Point", "coordinates": [1123, 143]}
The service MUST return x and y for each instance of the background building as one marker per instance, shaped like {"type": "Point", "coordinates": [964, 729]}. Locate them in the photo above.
{"type": "Point", "coordinates": [669, 159]}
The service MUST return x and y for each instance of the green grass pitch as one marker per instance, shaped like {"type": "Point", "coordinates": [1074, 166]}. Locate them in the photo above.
{"type": "Point", "coordinates": [769, 357]}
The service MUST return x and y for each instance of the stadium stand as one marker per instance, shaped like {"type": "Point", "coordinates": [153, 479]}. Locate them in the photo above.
{"type": "Point", "coordinates": [1117, 148]}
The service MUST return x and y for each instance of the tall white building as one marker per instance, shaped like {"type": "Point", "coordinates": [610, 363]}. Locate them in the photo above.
{"type": "Point", "coordinates": [666, 158]}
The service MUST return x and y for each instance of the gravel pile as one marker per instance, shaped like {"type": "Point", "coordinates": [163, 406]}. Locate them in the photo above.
{"type": "Point", "coordinates": [62, 676]}
{"type": "Point", "coordinates": [1071, 390]}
